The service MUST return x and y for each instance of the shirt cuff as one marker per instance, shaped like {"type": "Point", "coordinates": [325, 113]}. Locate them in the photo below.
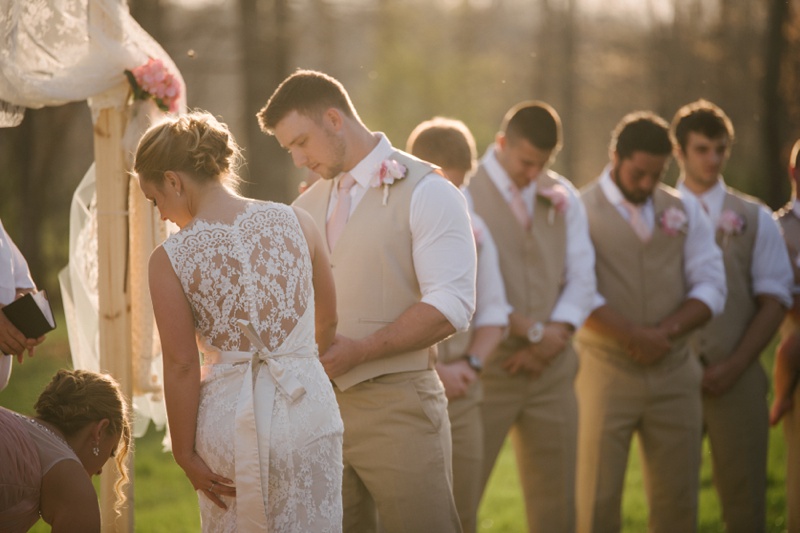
{"type": "Point", "coordinates": [774, 289]}
{"type": "Point", "coordinates": [571, 314]}
{"type": "Point", "coordinates": [455, 310]}
{"type": "Point", "coordinates": [713, 298]}
{"type": "Point", "coordinates": [496, 315]}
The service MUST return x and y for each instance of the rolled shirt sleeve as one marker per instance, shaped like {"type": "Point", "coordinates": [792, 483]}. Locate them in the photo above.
{"type": "Point", "coordinates": [443, 249]}
{"type": "Point", "coordinates": [577, 298]}
{"type": "Point", "coordinates": [491, 306]}
{"type": "Point", "coordinates": [771, 267]}
{"type": "Point", "coordinates": [703, 266]}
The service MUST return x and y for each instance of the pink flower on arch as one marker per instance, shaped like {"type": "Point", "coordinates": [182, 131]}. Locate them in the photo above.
{"type": "Point", "coordinates": [153, 80]}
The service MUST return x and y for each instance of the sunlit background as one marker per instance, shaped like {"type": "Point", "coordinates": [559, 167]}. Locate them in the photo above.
{"type": "Point", "coordinates": [405, 61]}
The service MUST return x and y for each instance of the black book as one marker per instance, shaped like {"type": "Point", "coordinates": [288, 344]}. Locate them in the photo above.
{"type": "Point", "coordinates": [31, 314]}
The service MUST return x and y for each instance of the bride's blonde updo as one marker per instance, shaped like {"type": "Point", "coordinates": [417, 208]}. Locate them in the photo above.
{"type": "Point", "coordinates": [75, 398]}
{"type": "Point", "coordinates": [195, 143]}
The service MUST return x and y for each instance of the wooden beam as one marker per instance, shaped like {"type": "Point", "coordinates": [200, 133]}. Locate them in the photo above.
{"type": "Point", "coordinates": [114, 306]}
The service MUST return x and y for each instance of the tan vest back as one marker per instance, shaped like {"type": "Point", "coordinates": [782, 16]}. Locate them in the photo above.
{"type": "Point", "coordinates": [373, 267]}
{"type": "Point", "coordinates": [717, 339]}
{"type": "Point", "coordinates": [644, 282]}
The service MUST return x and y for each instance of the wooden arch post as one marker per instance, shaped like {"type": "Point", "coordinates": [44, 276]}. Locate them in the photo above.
{"type": "Point", "coordinates": [113, 299]}
{"type": "Point", "coordinates": [114, 324]}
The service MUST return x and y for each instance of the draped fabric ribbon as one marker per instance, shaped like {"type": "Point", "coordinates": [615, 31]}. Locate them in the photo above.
{"type": "Point", "coordinates": [252, 427]}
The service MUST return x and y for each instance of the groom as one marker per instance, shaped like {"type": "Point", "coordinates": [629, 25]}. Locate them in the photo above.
{"type": "Point", "coordinates": [403, 258]}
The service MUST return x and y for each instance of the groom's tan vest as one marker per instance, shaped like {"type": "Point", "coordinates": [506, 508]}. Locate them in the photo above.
{"type": "Point", "coordinates": [532, 262]}
{"type": "Point", "coordinates": [373, 267]}
{"type": "Point", "coordinates": [644, 282]}
{"type": "Point", "coordinates": [718, 338]}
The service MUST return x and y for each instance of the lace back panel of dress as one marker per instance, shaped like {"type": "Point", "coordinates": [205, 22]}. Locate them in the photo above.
{"type": "Point", "coordinates": [257, 269]}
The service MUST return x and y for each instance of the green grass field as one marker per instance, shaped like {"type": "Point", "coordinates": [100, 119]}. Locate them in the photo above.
{"type": "Point", "coordinates": [165, 502]}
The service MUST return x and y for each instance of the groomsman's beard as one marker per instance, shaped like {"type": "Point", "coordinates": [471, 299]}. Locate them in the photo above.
{"type": "Point", "coordinates": [636, 199]}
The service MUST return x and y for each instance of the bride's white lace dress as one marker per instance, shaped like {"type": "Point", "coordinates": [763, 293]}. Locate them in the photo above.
{"type": "Point", "coordinates": [282, 447]}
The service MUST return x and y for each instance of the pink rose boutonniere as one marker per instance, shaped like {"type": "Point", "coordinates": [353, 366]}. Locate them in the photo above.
{"type": "Point", "coordinates": [673, 221]}
{"type": "Point", "coordinates": [730, 223]}
{"type": "Point", "coordinates": [388, 172]}
{"type": "Point", "coordinates": [559, 200]}
{"type": "Point", "coordinates": [153, 80]}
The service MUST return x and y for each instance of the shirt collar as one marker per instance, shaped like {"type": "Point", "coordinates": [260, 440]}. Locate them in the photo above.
{"type": "Point", "coordinates": [365, 170]}
{"type": "Point", "coordinates": [712, 199]}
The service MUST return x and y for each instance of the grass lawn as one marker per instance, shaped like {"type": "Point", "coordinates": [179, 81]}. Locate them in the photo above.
{"type": "Point", "coordinates": [165, 502]}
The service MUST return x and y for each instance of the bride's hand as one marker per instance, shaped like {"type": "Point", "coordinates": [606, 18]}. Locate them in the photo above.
{"type": "Point", "coordinates": [204, 480]}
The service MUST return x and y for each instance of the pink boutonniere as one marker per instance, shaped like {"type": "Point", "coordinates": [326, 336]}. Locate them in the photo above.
{"type": "Point", "coordinates": [673, 221]}
{"type": "Point", "coordinates": [558, 197]}
{"type": "Point", "coordinates": [153, 80]}
{"type": "Point", "coordinates": [388, 172]}
{"type": "Point", "coordinates": [730, 223]}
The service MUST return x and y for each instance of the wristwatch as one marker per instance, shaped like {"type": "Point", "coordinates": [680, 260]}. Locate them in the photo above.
{"type": "Point", "coordinates": [536, 333]}
{"type": "Point", "coordinates": [474, 362]}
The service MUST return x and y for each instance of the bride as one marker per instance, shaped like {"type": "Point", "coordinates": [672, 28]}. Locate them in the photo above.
{"type": "Point", "coordinates": [247, 287]}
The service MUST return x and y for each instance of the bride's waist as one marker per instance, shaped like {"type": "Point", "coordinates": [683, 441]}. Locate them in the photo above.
{"type": "Point", "coordinates": [233, 357]}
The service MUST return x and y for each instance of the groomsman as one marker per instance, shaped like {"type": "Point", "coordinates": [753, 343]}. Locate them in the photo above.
{"type": "Point", "coordinates": [449, 144]}
{"type": "Point", "coordinates": [403, 259]}
{"type": "Point", "coordinates": [786, 405]}
{"type": "Point", "coordinates": [659, 276]}
{"type": "Point", "coordinates": [759, 278]}
{"type": "Point", "coordinates": [547, 262]}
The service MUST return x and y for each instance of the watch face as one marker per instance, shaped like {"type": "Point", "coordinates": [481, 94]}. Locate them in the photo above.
{"type": "Point", "coordinates": [536, 333]}
{"type": "Point", "coordinates": [474, 363]}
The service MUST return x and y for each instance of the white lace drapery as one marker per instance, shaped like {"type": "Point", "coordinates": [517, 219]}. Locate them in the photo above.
{"type": "Point", "coordinates": [57, 51]}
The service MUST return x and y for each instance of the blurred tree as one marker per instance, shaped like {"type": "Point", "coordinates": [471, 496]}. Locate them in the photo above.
{"type": "Point", "coordinates": [780, 89]}
{"type": "Point", "coordinates": [43, 162]}
{"type": "Point", "coordinates": [265, 40]}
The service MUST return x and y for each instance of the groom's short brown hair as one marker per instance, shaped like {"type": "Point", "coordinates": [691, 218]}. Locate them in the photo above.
{"type": "Point", "coordinates": [308, 92]}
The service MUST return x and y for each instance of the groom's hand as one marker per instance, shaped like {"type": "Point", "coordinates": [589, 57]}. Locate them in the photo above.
{"type": "Point", "coordinates": [343, 354]}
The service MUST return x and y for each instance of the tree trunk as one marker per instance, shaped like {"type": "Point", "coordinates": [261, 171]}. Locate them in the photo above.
{"type": "Point", "coordinates": [774, 107]}
{"type": "Point", "coordinates": [265, 42]}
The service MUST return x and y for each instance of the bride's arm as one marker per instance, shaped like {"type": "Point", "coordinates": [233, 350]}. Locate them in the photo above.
{"type": "Point", "coordinates": [324, 290]}
{"type": "Point", "coordinates": [181, 371]}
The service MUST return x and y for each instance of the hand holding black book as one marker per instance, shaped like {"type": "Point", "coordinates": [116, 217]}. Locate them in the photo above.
{"type": "Point", "coordinates": [31, 314]}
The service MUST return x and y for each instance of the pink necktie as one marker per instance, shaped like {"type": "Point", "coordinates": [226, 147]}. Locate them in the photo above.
{"type": "Point", "coordinates": [519, 209]}
{"type": "Point", "coordinates": [341, 212]}
{"type": "Point", "coordinates": [640, 227]}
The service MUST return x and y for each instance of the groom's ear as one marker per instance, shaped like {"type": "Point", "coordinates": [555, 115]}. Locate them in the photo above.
{"type": "Point", "coordinates": [334, 118]}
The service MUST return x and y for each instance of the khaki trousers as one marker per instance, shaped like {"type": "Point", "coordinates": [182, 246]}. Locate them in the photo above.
{"type": "Point", "coordinates": [466, 428]}
{"type": "Point", "coordinates": [662, 404]}
{"type": "Point", "coordinates": [397, 455]}
{"type": "Point", "coordinates": [737, 426]}
{"type": "Point", "coordinates": [791, 431]}
{"type": "Point", "coordinates": [541, 416]}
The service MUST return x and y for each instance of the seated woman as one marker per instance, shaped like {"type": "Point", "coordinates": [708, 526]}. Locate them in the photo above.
{"type": "Point", "coordinates": [47, 461]}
